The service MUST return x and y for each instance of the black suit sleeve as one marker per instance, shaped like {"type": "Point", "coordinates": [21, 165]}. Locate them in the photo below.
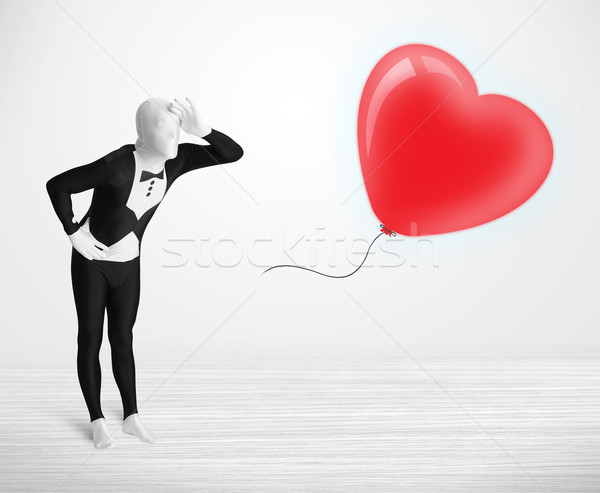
{"type": "Point", "coordinates": [222, 149]}
{"type": "Point", "coordinates": [76, 180]}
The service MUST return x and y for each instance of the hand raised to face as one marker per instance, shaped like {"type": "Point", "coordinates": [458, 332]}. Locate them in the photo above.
{"type": "Point", "coordinates": [189, 117]}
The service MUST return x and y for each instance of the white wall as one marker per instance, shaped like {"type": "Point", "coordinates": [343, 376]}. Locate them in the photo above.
{"type": "Point", "coordinates": [284, 79]}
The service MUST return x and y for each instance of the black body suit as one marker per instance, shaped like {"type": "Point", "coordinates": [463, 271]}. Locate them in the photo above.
{"type": "Point", "coordinates": [115, 285]}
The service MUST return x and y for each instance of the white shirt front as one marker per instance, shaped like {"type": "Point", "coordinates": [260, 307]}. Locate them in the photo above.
{"type": "Point", "coordinates": [145, 194]}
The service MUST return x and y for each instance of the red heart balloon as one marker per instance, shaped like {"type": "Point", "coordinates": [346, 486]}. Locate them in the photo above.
{"type": "Point", "coordinates": [435, 156]}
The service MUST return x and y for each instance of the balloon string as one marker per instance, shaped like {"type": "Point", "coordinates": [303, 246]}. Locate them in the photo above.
{"type": "Point", "coordinates": [384, 230]}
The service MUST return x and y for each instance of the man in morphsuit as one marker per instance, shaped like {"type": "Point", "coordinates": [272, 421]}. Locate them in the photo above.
{"type": "Point", "coordinates": [129, 183]}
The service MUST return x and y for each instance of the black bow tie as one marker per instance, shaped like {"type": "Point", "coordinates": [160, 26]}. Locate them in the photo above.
{"type": "Point", "coordinates": [146, 175]}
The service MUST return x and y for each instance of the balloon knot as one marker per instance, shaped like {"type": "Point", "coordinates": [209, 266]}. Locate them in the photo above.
{"type": "Point", "coordinates": [388, 232]}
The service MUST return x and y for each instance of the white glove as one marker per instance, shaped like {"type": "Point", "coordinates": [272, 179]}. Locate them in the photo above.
{"type": "Point", "coordinates": [84, 242]}
{"type": "Point", "coordinates": [189, 117]}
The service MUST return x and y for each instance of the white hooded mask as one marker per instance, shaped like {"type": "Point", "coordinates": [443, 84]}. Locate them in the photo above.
{"type": "Point", "coordinates": [157, 128]}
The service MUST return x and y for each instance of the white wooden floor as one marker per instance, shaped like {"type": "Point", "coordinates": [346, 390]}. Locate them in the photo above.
{"type": "Point", "coordinates": [324, 425]}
